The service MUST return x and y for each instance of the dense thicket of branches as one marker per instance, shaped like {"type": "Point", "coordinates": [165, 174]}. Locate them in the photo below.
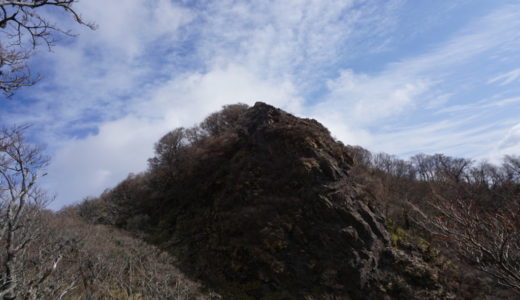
{"type": "Point", "coordinates": [44, 255]}
{"type": "Point", "coordinates": [97, 262]}
{"type": "Point", "coordinates": [471, 209]}
{"type": "Point", "coordinates": [24, 27]}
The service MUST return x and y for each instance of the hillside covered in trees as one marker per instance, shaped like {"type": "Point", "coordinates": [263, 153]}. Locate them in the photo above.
{"type": "Point", "coordinates": [255, 203]}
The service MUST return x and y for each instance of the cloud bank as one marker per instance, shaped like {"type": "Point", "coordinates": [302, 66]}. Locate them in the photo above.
{"type": "Point", "coordinates": [108, 95]}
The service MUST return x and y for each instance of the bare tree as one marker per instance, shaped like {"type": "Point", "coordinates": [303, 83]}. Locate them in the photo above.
{"type": "Point", "coordinates": [98, 262]}
{"type": "Point", "coordinates": [512, 167]}
{"type": "Point", "coordinates": [168, 148]}
{"type": "Point", "coordinates": [21, 166]}
{"type": "Point", "coordinates": [484, 235]}
{"type": "Point", "coordinates": [22, 29]}
{"type": "Point", "coordinates": [218, 122]}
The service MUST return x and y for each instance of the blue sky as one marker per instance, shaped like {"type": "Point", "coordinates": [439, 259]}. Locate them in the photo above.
{"type": "Point", "coordinates": [397, 76]}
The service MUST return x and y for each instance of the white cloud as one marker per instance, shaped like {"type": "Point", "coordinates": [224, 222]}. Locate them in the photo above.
{"type": "Point", "coordinates": [506, 78]}
{"type": "Point", "coordinates": [362, 102]}
{"type": "Point", "coordinates": [450, 136]}
{"type": "Point", "coordinates": [96, 76]}
{"type": "Point", "coordinates": [103, 75]}
{"type": "Point", "coordinates": [90, 165]}
{"type": "Point", "coordinates": [365, 100]}
{"type": "Point", "coordinates": [509, 144]}
{"type": "Point", "coordinates": [126, 28]}
{"type": "Point", "coordinates": [296, 40]}
{"type": "Point", "coordinates": [438, 101]}
{"type": "Point", "coordinates": [494, 31]}
{"type": "Point", "coordinates": [153, 66]}
{"type": "Point", "coordinates": [86, 167]}
{"type": "Point", "coordinates": [511, 140]}
{"type": "Point", "coordinates": [110, 80]}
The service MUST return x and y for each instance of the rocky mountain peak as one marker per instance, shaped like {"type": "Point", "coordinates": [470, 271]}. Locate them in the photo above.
{"type": "Point", "coordinates": [275, 212]}
{"type": "Point", "coordinates": [263, 205]}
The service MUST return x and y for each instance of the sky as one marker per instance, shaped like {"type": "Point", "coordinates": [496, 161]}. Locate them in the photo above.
{"type": "Point", "coordinates": [403, 77]}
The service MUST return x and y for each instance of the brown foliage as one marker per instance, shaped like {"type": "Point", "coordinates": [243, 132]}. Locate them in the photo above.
{"type": "Point", "coordinates": [208, 187]}
{"type": "Point", "coordinates": [468, 210]}
{"type": "Point", "coordinates": [260, 203]}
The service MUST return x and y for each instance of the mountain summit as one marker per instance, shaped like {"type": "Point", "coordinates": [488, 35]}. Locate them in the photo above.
{"type": "Point", "coordinates": [279, 212]}
{"type": "Point", "coordinates": [259, 203]}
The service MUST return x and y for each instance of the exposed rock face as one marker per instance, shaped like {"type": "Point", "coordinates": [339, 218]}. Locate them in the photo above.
{"type": "Point", "coordinates": [269, 210]}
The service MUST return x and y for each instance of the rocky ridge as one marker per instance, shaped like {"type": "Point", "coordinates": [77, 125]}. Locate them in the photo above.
{"type": "Point", "coordinates": [272, 212]}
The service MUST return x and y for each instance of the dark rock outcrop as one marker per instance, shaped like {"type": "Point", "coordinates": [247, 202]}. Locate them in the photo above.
{"type": "Point", "coordinates": [265, 208]}
{"type": "Point", "coordinates": [269, 210]}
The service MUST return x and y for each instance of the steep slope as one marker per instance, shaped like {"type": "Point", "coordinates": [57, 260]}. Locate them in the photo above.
{"type": "Point", "coordinates": [279, 213]}
{"type": "Point", "coordinates": [271, 210]}
{"type": "Point", "coordinates": [70, 259]}
{"type": "Point", "coordinates": [266, 208]}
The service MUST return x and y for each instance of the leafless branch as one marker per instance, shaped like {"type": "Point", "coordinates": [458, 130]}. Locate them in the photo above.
{"type": "Point", "coordinates": [488, 239]}
{"type": "Point", "coordinates": [22, 30]}
{"type": "Point", "coordinates": [21, 165]}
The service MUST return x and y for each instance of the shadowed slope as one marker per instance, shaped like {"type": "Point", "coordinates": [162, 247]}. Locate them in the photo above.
{"type": "Point", "coordinates": [261, 204]}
